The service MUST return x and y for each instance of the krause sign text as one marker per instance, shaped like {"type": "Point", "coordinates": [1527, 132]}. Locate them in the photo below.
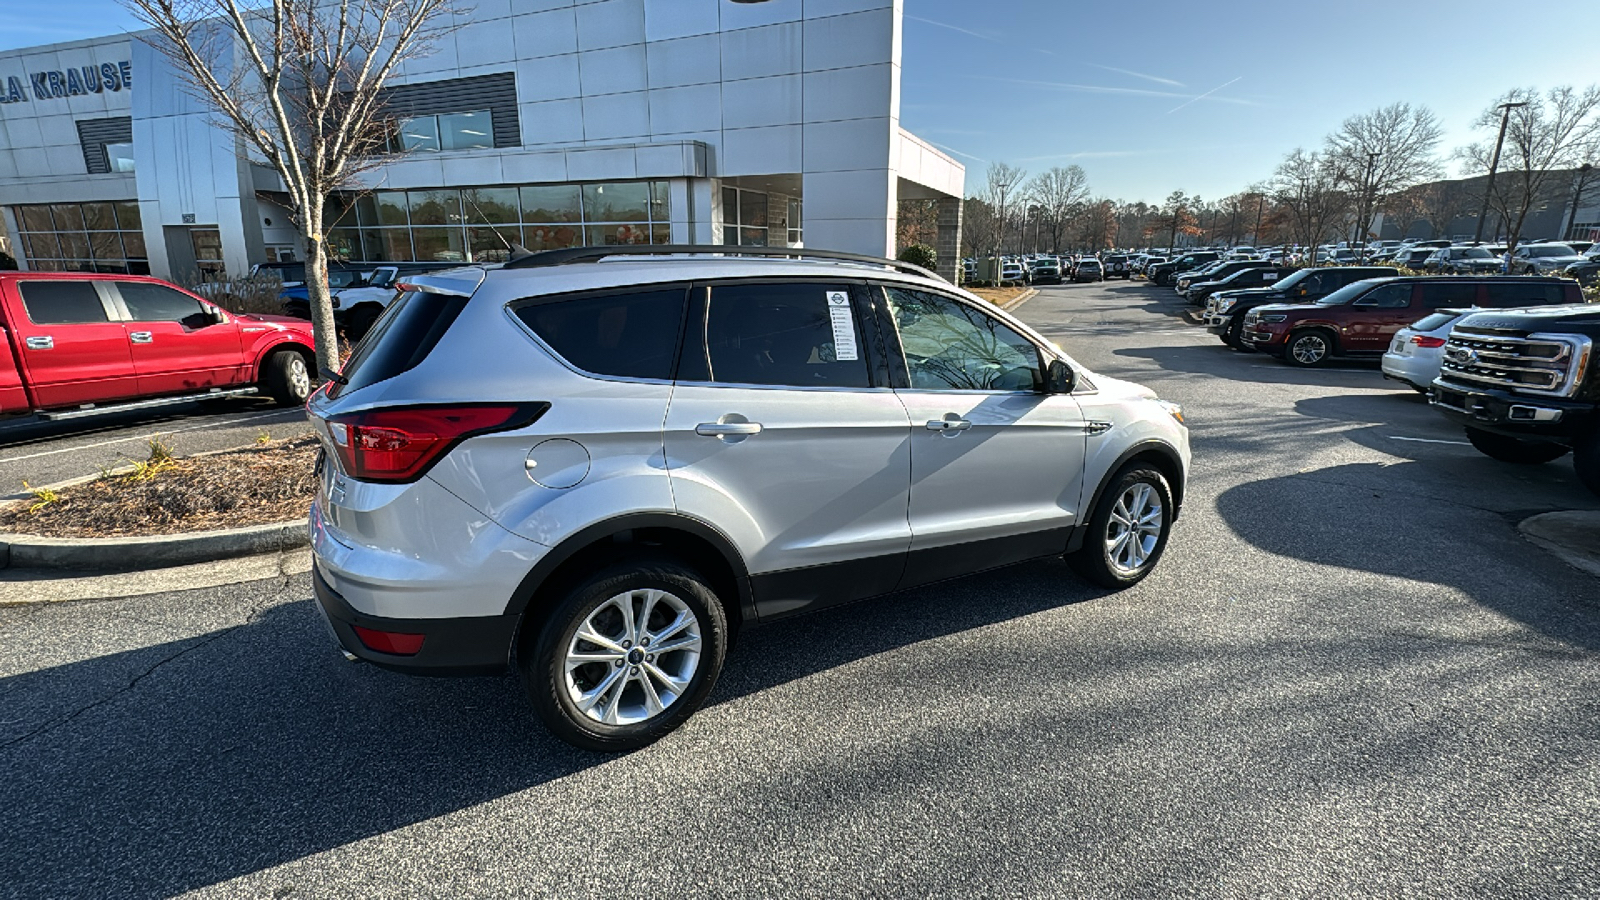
{"type": "Point", "coordinates": [73, 82]}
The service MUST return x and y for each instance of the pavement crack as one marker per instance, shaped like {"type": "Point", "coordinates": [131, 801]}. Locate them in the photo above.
{"type": "Point", "coordinates": [197, 644]}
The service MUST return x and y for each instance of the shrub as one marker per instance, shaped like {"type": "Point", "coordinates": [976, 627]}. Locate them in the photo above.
{"type": "Point", "coordinates": [258, 293]}
{"type": "Point", "coordinates": [920, 255]}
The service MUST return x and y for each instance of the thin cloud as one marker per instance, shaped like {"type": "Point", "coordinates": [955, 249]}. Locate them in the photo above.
{"type": "Point", "coordinates": [966, 31]}
{"type": "Point", "coordinates": [1156, 78]}
{"type": "Point", "coordinates": [1136, 92]}
{"type": "Point", "coordinates": [1202, 96]}
{"type": "Point", "coordinates": [949, 149]}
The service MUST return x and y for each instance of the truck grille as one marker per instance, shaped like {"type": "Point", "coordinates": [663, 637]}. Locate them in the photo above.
{"type": "Point", "coordinates": [1544, 364]}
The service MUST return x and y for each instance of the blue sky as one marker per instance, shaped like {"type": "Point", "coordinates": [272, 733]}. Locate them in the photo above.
{"type": "Point", "coordinates": [1153, 96]}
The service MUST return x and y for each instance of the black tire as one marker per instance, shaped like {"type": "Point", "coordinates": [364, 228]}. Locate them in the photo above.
{"type": "Point", "coordinates": [1094, 560]}
{"type": "Point", "coordinates": [1235, 336]}
{"type": "Point", "coordinates": [1586, 460]}
{"type": "Point", "coordinates": [286, 378]}
{"type": "Point", "coordinates": [544, 669]}
{"type": "Point", "coordinates": [360, 321]}
{"type": "Point", "coordinates": [1309, 348]}
{"type": "Point", "coordinates": [1514, 450]}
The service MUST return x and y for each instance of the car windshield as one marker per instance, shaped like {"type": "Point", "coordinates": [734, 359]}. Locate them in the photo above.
{"type": "Point", "coordinates": [1349, 292]}
{"type": "Point", "coordinates": [1294, 279]}
{"type": "Point", "coordinates": [1552, 250]}
{"type": "Point", "coordinates": [1471, 253]}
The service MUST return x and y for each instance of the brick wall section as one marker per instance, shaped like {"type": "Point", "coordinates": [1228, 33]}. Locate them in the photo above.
{"type": "Point", "coordinates": [948, 244]}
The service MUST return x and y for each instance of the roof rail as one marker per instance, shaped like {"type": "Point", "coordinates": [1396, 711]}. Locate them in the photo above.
{"type": "Point", "coordinates": [595, 254]}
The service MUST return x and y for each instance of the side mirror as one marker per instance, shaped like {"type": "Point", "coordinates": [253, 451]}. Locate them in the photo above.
{"type": "Point", "coordinates": [1059, 378]}
{"type": "Point", "coordinates": [214, 316]}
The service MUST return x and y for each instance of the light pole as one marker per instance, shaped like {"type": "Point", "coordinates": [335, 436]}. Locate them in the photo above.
{"type": "Point", "coordinates": [1577, 197]}
{"type": "Point", "coordinates": [1494, 163]}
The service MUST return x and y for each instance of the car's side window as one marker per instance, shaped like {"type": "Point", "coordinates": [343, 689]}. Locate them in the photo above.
{"type": "Point", "coordinates": [62, 302]}
{"type": "Point", "coordinates": [148, 302]}
{"type": "Point", "coordinates": [625, 334]}
{"type": "Point", "coordinates": [1443, 294]}
{"type": "Point", "coordinates": [791, 335]}
{"type": "Point", "coordinates": [950, 346]}
{"type": "Point", "coordinates": [1390, 296]}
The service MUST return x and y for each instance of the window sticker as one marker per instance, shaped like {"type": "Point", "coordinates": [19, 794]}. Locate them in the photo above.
{"type": "Point", "coordinates": [844, 329]}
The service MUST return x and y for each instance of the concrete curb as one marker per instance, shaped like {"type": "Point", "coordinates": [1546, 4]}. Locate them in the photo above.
{"type": "Point", "coordinates": [1027, 295]}
{"type": "Point", "coordinates": [26, 551]}
{"type": "Point", "coordinates": [1572, 535]}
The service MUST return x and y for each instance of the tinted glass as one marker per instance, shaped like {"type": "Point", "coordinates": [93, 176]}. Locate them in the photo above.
{"type": "Point", "coordinates": [1437, 320]}
{"type": "Point", "coordinates": [627, 335]}
{"type": "Point", "coordinates": [950, 346]}
{"type": "Point", "coordinates": [36, 218]}
{"type": "Point", "coordinates": [99, 217]}
{"type": "Point", "coordinates": [466, 131]}
{"type": "Point", "coordinates": [1443, 293]}
{"type": "Point", "coordinates": [69, 216]}
{"type": "Point", "coordinates": [62, 302]}
{"type": "Point", "coordinates": [557, 203]}
{"type": "Point", "coordinates": [1471, 253]}
{"type": "Point", "coordinates": [616, 202]}
{"type": "Point", "coordinates": [801, 335]}
{"type": "Point", "coordinates": [421, 133]}
{"type": "Point", "coordinates": [435, 207]}
{"type": "Point", "coordinates": [403, 337]}
{"type": "Point", "coordinates": [1552, 250]}
{"type": "Point", "coordinates": [494, 205]}
{"type": "Point", "coordinates": [1524, 294]}
{"type": "Point", "coordinates": [1346, 294]}
{"type": "Point", "coordinates": [148, 302]}
{"type": "Point", "coordinates": [1391, 296]}
{"type": "Point", "coordinates": [127, 214]}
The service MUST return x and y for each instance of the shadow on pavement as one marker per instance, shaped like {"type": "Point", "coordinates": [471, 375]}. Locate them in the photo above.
{"type": "Point", "coordinates": [27, 430]}
{"type": "Point", "coordinates": [1366, 517]}
{"type": "Point", "coordinates": [1217, 360]}
{"type": "Point", "coordinates": [185, 764]}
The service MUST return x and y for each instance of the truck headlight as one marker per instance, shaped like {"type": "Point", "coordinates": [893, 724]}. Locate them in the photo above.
{"type": "Point", "coordinates": [1174, 410]}
{"type": "Point", "coordinates": [1225, 305]}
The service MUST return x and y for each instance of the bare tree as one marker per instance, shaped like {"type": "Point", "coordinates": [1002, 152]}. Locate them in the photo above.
{"type": "Point", "coordinates": [1545, 138]}
{"type": "Point", "coordinates": [980, 227]}
{"type": "Point", "coordinates": [300, 83]}
{"type": "Point", "coordinates": [1004, 183]}
{"type": "Point", "coordinates": [1308, 187]}
{"type": "Point", "coordinates": [1379, 153]}
{"type": "Point", "coordinates": [1059, 193]}
{"type": "Point", "coordinates": [916, 222]}
{"type": "Point", "coordinates": [1439, 203]}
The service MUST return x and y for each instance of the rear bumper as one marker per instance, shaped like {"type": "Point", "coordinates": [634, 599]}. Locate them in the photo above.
{"type": "Point", "coordinates": [470, 645]}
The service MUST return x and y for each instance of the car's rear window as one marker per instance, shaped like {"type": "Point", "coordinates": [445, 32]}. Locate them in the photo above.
{"type": "Point", "coordinates": [627, 334]}
{"type": "Point", "coordinates": [1435, 321]}
{"type": "Point", "coordinates": [62, 302]}
{"type": "Point", "coordinates": [403, 337]}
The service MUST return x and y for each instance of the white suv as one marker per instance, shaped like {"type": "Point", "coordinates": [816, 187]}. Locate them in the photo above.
{"type": "Point", "coordinates": [596, 472]}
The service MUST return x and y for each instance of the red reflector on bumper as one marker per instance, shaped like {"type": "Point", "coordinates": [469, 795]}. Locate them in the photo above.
{"type": "Point", "coordinates": [389, 641]}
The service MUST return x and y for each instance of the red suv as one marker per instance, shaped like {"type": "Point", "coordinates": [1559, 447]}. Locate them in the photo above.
{"type": "Point", "coordinates": [75, 344]}
{"type": "Point", "coordinates": [1359, 319]}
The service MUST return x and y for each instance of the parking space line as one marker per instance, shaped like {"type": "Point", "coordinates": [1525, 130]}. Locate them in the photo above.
{"type": "Point", "coordinates": [1396, 437]}
{"type": "Point", "coordinates": [146, 437]}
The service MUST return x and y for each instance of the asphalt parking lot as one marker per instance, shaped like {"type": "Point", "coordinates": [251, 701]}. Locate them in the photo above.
{"type": "Point", "coordinates": [1349, 676]}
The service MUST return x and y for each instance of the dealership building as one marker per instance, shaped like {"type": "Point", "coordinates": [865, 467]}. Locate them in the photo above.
{"type": "Point", "coordinates": [550, 122]}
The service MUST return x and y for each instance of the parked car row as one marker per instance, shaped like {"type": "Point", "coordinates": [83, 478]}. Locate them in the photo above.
{"type": "Point", "coordinates": [1510, 359]}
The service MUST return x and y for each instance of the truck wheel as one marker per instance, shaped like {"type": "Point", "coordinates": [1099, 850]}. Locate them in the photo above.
{"type": "Point", "coordinates": [1235, 336]}
{"type": "Point", "coordinates": [286, 378]}
{"type": "Point", "coordinates": [360, 321]}
{"type": "Point", "coordinates": [1514, 450]}
{"type": "Point", "coordinates": [1586, 460]}
{"type": "Point", "coordinates": [628, 654]}
{"type": "Point", "coordinates": [1309, 348]}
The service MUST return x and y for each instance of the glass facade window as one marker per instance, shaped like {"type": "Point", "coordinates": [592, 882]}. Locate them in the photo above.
{"type": "Point", "coordinates": [120, 157]}
{"type": "Point", "coordinates": [449, 131]}
{"type": "Point", "coordinates": [477, 224]}
{"type": "Point", "coordinates": [82, 237]}
{"type": "Point", "coordinates": [746, 220]}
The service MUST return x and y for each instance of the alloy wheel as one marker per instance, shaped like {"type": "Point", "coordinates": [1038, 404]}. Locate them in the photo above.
{"type": "Point", "coordinates": [299, 376]}
{"type": "Point", "coordinates": [632, 657]}
{"type": "Point", "coordinates": [1134, 528]}
{"type": "Point", "coordinates": [1309, 349]}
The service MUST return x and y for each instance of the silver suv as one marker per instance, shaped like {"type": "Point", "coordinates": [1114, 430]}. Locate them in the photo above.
{"type": "Point", "coordinates": [595, 465]}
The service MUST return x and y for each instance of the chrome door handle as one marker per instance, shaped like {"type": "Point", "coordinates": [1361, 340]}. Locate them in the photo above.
{"type": "Point", "coordinates": [40, 343]}
{"type": "Point", "coordinates": [725, 429]}
{"type": "Point", "coordinates": [141, 337]}
{"type": "Point", "coordinates": [948, 425]}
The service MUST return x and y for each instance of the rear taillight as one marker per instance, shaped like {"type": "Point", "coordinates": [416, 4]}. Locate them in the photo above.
{"type": "Point", "coordinates": [399, 444]}
{"type": "Point", "coordinates": [1423, 340]}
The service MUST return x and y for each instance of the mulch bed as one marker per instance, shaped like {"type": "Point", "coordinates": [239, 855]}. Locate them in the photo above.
{"type": "Point", "coordinates": [260, 485]}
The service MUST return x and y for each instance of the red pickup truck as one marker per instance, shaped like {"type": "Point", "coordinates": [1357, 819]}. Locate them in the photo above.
{"type": "Point", "coordinates": [77, 344]}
